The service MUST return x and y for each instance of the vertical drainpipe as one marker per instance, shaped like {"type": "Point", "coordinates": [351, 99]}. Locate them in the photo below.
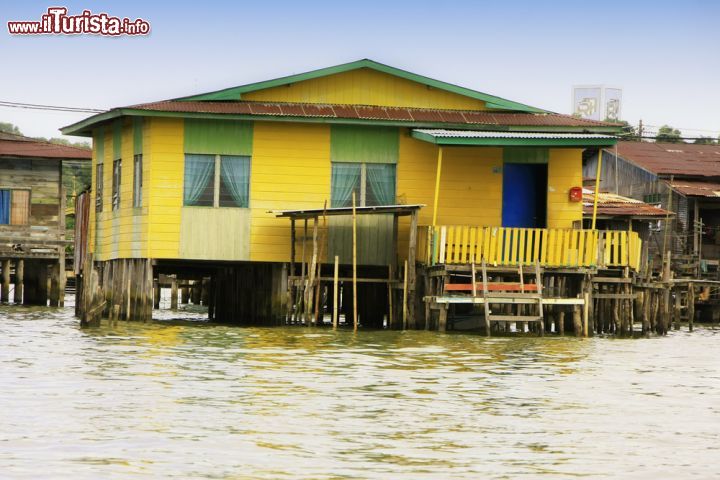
{"type": "Point", "coordinates": [597, 188]}
{"type": "Point", "coordinates": [437, 185]}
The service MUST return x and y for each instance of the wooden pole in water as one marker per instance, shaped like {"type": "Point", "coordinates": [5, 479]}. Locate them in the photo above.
{"type": "Point", "coordinates": [6, 280]}
{"type": "Point", "coordinates": [354, 262]}
{"type": "Point", "coordinates": [173, 294]}
{"type": "Point", "coordinates": [19, 279]}
{"type": "Point", "coordinates": [390, 297]}
{"type": "Point", "coordinates": [335, 291]}
{"type": "Point", "coordinates": [691, 305]}
{"type": "Point", "coordinates": [311, 275]}
{"type": "Point", "coordinates": [405, 295]}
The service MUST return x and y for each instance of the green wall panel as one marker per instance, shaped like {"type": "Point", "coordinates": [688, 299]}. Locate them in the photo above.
{"type": "Point", "coordinates": [99, 144]}
{"type": "Point", "coordinates": [525, 155]}
{"type": "Point", "coordinates": [117, 139]}
{"type": "Point", "coordinates": [352, 143]}
{"type": "Point", "coordinates": [137, 135]}
{"type": "Point", "coordinates": [220, 137]}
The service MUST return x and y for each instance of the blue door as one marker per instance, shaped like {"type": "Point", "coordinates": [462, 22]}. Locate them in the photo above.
{"type": "Point", "coordinates": [524, 195]}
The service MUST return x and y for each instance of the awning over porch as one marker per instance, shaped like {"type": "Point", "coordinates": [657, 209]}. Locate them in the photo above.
{"type": "Point", "coordinates": [508, 139]}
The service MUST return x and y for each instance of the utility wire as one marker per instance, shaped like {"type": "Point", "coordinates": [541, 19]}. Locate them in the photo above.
{"type": "Point", "coordinates": [54, 108]}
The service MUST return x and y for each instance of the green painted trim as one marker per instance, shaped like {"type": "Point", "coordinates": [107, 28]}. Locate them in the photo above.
{"type": "Point", "coordinates": [364, 144]}
{"type": "Point", "coordinates": [523, 142]}
{"type": "Point", "coordinates": [526, 155]}
{"type": "Point", "coordinates": [137, 135]}
{"type": "Point", "coordinates": [218, 137]}
{"type": "Point", "coordinates": [117, 139]}
{"type": "Point", "coordinates": [99, 145]}
{"type": "Point", "coordinates": [235, 93]}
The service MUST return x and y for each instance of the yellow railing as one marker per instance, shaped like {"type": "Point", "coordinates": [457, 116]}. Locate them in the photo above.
{"type": "Point", "coordinates": [525, 246]}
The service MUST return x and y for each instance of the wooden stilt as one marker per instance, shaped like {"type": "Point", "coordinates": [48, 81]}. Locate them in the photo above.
{"type": "Point", "coordinates": [354, 262]}
{"type": "Point", "coordinates": [390, 323]}
{"type": "Point", "coordinates": [335, 291]}
{"type": "Point", "coordinates": [5, 296]}
{"type": "Point", "coordinates": [173, 294]}
{"type": "Point", "coordinates": [311, 274]}
{"type": "Point", "coordinates": [405, 297]}
{"type": "Point", "coordinates": [412, 247]}
{"type": "Point", "coordinates": [691, 305]}
{"type": "Point", "coordinates": [485, 294]}
{"type": "Point", "coordinates": [19, 280]}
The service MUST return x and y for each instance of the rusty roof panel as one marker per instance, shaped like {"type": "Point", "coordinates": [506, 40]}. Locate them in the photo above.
{"type": "Point", "coordinates": [367, 112]}
{"type": "Point", "coordinates": [612, 205]}
{"type": "Point", "coordinates": [673, 158]}
{"type": "Point", "coordinates": [265, 109]}
{"type": "Point", "coordinates": [345, 111]}
{"type": "Point", "coordinates": [696, 189]}
{"type": "Point", "coordinates": [401, 114]}
{"type": "Point", "coordinates": [312, 110]}
{"type": "Point", "coordinates": [372, 113]}
{"type": "Point", "coordinates": [292, 110]}
{"type": "Point", "coordinates": [25, 147]}
{"type": "Point", "coordinates": [452, 117]}
{"type": "Point", "coordinates": [426, 115]}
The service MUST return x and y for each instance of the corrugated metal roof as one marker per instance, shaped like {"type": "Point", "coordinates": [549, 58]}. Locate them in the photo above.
{"type": "Point", "coordinates": [673, 158]}
{"type": "Point", "coordinates": [369, 112]}
{"type": "Point", "coordinates": [440, 133]}
{"type": "Point", "coordinates": [19, 146]}
{"type": "Point", "coordinates": [693, 188]}
{"type": "Point", "coordinates": [612, 205]}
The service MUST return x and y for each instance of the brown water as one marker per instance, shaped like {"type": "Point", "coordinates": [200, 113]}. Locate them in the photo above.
{"type": "Point", "coordinates": [188, 400]}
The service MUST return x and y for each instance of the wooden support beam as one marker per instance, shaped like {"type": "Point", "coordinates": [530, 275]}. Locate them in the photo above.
{"type": "Point", "coordinates": [5, 296]}
{"type": "Point", "coordinates": [335, 291]}
{"type": "Point", "coordinates": [390, 323]}
{"type": "Point", "coordinates": [405, 296]}
{"type": "Point", "coordinates": [354, 262]}
{"type": "Point", "coordinates": [411, 274]}
{"type": "Point", "coordinates": [19, 280]}
{"type": "Point", "coordinates": [174, 294]}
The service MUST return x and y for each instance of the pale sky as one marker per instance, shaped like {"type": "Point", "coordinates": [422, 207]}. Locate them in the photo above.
{"type": "Point", "coordinates": [664, 55]}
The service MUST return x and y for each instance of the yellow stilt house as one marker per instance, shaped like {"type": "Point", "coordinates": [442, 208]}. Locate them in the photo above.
{"type": "Point", "coordinates": [204, 185]}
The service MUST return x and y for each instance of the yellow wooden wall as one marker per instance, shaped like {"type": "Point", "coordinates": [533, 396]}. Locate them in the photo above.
{"type": "Point", "coordinates": [164, 144]}
{"type": "Point", "coordinates": [366, 87]}
{"type": "Point", "coordinates": [564, 172]}
{"type": "Point", "coordinates": [290, 169]}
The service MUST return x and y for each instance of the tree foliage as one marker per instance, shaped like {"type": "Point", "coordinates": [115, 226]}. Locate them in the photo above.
{"type": "Point", "coordinates": [668, 134]}
{"type": "Point", "coordinates": [7, 127]}
{"type": "Point", "coordinates": [705, 141]}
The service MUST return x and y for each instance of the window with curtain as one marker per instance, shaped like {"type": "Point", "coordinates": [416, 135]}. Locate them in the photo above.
{"type": "Point", "coordinates": [99, 187]}
{"type": "Point", "coordinates": [199, 180]}
{"type": "Point", "coordinates": [14, 207]}
{"type": "Point", "coordinates": [234, 181]}
{"type": "Point", "coordinates": [373, 184]}
{"type": "Point", "coordinates": [117, 167]}
{"type": "Point", "coordinates": [137, 181]}
{"type": "Point", "coordinates": [217, 181]}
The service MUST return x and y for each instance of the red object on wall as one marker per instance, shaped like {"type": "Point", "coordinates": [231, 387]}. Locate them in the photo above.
{"type": "Point", "coordinates": [575, 194]}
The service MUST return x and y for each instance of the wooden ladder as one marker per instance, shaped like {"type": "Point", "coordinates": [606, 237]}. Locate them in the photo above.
{"type": "Point", "coordinates": [513, 294]}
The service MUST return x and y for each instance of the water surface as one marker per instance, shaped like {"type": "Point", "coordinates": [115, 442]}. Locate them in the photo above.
{"type": "Point", "coordinates": [183, 399]}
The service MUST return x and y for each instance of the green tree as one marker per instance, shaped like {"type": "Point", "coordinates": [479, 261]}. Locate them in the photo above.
{"type": "Point", "coordinates": [668, 134]}
{"type": "Point", "coordinates": [705, 141]}
{"type": "Point", "coordinates": [628, 131]}
{"type": "Point", "coordinates": [8, 127]}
